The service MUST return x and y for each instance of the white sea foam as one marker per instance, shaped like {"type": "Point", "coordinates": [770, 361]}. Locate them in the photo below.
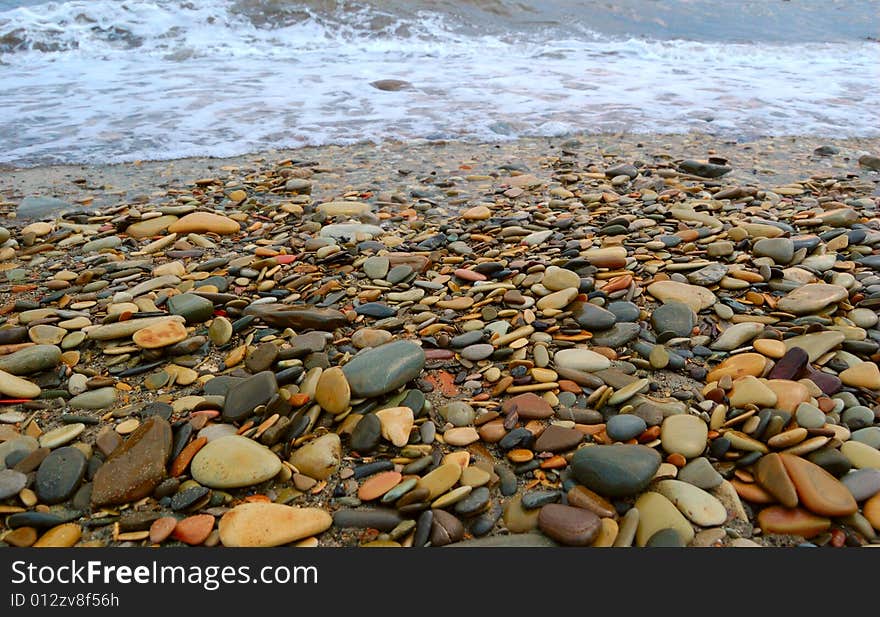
{"type": "Point", "coordinates": [109, 81]}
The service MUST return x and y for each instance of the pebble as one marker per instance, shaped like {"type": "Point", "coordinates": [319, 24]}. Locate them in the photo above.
{"type": "Point", "coordinates": [318, 459]}
{"type": "Point", "coordinates": [383, 369]}
{"type": "Point", "coordinates": [615, 471]}
{"type": "Point", "coordinates": [233, 462]}
{"type": "Point", "coordinates": [569, 526]}
{"type": "Point", "coordinates": [684, 434]}
{"type": "Point", "coordinates": [136, 467]}
{"type": "Point", "coordinates": [657, 513]}
{"type": "Point", "coordinates": [270, 524]}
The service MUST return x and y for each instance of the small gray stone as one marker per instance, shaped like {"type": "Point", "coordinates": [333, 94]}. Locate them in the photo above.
{"type": "Point", "coordinates": [701, 474]}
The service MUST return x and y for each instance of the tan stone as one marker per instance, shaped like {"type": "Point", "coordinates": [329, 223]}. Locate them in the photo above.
{"type": "Point", "coordinates": [397, 422]}
{"type": "Point", "coordinates": [863, 375]}
{"type": "Point", "coordinates": [270, 524]}
{"type": "Point", "coordinates": [201, 222]}
{"type": "Point", "coordinates": [656, 512]}
{"type": "Point", "coordinates": [161, 334]}
{"type": "Point", "coordinates": [739, 365]}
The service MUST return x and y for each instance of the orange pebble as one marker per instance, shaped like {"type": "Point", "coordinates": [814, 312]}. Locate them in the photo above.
{"type": "Point", "coordinates": [520, 455]}
{"type": "Point", "coordinates": [554, 462]}
{"type": "Point", "coordinates": [677, 459]}
{"type": "Point", "coordinates": [650, 434]}
{"type": "Point", "coordinates": [186, 455]}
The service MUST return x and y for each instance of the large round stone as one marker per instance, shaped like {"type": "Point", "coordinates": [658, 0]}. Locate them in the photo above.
{"type": "Point", "coordinates": [383, 369]}
{"type": "Point", "coordinates": [232, 462]}
{"type": "Point", "coordinates": [617, 470]}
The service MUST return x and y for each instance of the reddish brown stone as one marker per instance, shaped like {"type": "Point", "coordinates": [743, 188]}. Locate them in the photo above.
{"type": "Point", "coordinates": [136, 467]}
{"type": "Point", "coordinates": [528, 406]}
{"type": "Point", "coordinates": [194, 530]}
{"type": "Point", "coordinates": [162, 528]}
{"type": "Point", "coordinates": [558, 439]}
{"type": "Point", "coordinates": [569, 525]}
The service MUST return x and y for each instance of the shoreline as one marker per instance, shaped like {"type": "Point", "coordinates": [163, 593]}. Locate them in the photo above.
{"type": "Point", "coordinates": [777, 159]}
{"type": "Point", "coordinates": [460, 329]}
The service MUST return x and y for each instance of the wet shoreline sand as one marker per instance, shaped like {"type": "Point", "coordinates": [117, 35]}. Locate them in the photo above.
{"type": "Point", "coordinates": [483, 348]}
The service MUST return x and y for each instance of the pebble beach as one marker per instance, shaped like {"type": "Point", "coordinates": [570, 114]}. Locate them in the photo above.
{"type": "Point", "coordinates": [596, 341]}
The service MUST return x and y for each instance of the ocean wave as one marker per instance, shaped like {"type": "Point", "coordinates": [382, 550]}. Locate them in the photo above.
{"type": "Point", "coordinates": [124, 80]}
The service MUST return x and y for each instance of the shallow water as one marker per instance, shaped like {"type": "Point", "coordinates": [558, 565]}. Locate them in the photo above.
{"type": "Point", "coordinates": [110, 80]}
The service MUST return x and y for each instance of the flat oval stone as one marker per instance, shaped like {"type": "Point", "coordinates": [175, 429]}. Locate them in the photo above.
{"type": "Point", "coordinates": [201, 222]}
{"type": "Point", "coordinates": [99, 398]}
{"type": "Point", "coordinates": [568, 525]}
{"type": "Point", "coordinates": [700, 473]}
{"type": "Point", "coordinates": [11, 482]}
{"type": "Point", "coordinates": [528, 406]}
{"type": "Point", "coordinates": [676, 317]}
{"type": "Point", "coordinates": [16, 387]}
{"type": "Point", "coordinates": [461, 436]}
{"type": "Point", "coordinates": [794, 521]}
{"type": "Point", "coordinates": [379, 484]}
{"type": "Point", "coordinates": [234, 462]}
{"type": "Point", "coordinates": [581, 360]}
{"type": "Point", "coordinates": [556, 278]}
{"type": "Point", "coordinates": [617, 470]}
{"type": "Point", "coordinates": [270, 524]}
{"type": "Point", "coordinates": [60, 474]}
{"type": "Point", "coordinates": [62, 536]}
{"type": "Point", "coordinates": [656, 512]}
{"type": "Point", "coordinates": [863, 375]}
{"type": "Point", "coordinates": [697, 505]}
{"type": "Point", "coordinates": [624, 427]}
{"type": "Point", "coordinates": [591, 317]}
{"type": "Point", "coordinates": [862, 456]}
{"type": "Point", "coordinates": [818, 491]}
{"type": "Point", "coordinates": [458, 413]}
{"type": "Point", "coordinates": [440, 480]}
{"type": "Point", "coordinates": [445, 528]}
{"type": "Point", "coordinates": [383, 369]}
{"type": "Point", "coordinates": [697, 298]}
{"type": "Point", "coordinates": [684, 434]}
{"type": "Point", "coordinates": [811, 298]}
{"type": "Point", "coordinates": [160, 335]}
{"type": "Point", "coordinates": [477, 352]}
{"type": "Point", "coordinates": [31, 360]}
{"type": "Point", "coordinates": [61, 435]}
